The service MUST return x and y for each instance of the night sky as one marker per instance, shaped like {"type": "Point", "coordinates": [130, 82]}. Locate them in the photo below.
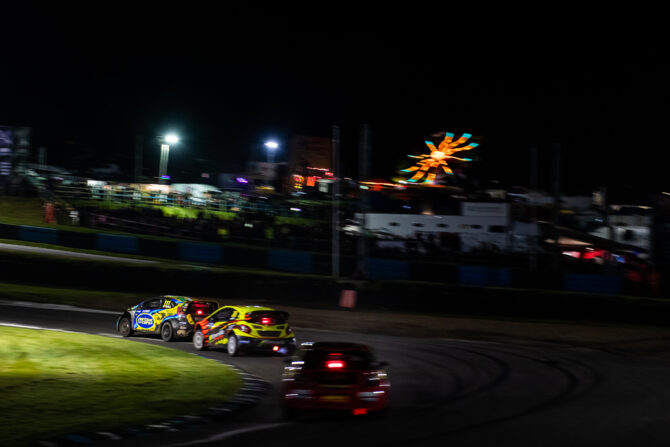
{"type": "Point", "coordinates": [89, 79]}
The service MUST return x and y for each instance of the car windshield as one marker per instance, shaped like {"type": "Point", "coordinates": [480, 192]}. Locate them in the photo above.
{"type": "Point", "coordinates": [345, 359]}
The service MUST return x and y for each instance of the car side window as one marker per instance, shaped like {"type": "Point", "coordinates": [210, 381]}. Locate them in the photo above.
{"type": "Point", "coordinates": [223, 315]}
{"type": "Point", "coordinates": [153, 304]}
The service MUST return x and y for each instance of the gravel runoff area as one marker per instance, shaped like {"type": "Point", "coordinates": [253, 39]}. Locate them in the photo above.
{"type": "Point", "coordinates": [647, 341]}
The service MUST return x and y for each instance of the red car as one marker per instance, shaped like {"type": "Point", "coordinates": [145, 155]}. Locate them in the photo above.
{"type": "Point", "coordinates": [335, 376]}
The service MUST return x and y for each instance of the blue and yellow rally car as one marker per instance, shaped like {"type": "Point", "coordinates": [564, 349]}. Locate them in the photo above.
{"type": "Point", "coordinates": [245, 328]}
{"type": "Point", "coordinates": [168, 315]}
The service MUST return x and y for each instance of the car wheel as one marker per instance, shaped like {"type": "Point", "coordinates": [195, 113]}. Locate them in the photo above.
{"type": "Point", "coordinates": [232, 345]}
{"type": "Point", "coordinates": [166, 332]}
{"type": "Point", "coordinates": [381, 414]}
{"type": "Point", "coordinates": [125, 328]}
{"type": "Point", "coordinates": [199, 340]}
{"type": "Point", "coordinates": [290, 414]}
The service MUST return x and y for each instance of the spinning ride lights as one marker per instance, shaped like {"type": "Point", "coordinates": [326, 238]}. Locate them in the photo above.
{"type": "Point", "coordinates": [438, 157]}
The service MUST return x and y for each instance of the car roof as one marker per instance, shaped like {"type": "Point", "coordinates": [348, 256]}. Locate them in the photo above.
{"type": "Point", "coordinates": [248, 308]}
{"type": "Point", "coordinates": [337, 346]}
{"type": "Point", "coordinates": [177, 297]}
{"type": "Point", "coordinates": [184, 299]}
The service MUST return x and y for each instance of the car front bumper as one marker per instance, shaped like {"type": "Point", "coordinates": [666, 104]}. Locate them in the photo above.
{"type": "Point", "coordinates": [319, 398]}
{"type": "Point", "coordinates": [284, 346]}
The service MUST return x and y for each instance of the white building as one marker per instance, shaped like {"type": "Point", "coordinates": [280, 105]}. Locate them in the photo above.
{"type": "Point", "coordinates": [479, 224]}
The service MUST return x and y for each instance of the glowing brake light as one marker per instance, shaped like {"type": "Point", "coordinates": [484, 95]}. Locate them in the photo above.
{"type": "Point", "coordinates": [335, 364]}
{"type": "Point", "coordinates": [266, 320]}
{"type": "Point", "coordinates": [198, 312]}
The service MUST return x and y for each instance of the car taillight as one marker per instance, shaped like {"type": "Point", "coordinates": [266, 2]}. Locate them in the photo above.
{"type": "Point", "coordinates": [372, 381]}
{"type": "Point", "coordinates": [335, 364]}
{"type": "Point", "coordinates": [198, 312]}
{"type": "Point", "coordinates": [266, 320]}
{"type": "Point", "coordinates": [243, 328]}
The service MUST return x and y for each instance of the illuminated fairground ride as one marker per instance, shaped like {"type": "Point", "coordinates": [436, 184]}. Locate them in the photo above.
{"type": "Point", "coordinates": [438, 157]}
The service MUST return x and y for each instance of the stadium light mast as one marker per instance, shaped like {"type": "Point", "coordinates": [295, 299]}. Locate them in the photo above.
{"type": "Point", "coordinates": [271, 147]}
{"type": "Point", "coordinates": [165, 152]}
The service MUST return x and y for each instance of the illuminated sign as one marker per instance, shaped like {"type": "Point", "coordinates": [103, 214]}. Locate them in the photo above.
{"type": "Point", "coordinates": [438, 157]}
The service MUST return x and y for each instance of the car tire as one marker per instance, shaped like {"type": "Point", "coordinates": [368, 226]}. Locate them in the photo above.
{"type": "Point", "coordinates": [380, 414]}
{"type": "Point", "coordinates": [125, 328]}
{"type": "Point", "coordinates": [290, 414]}
{"type": "Point", "coordinates": [232, 345]}
{"type": "Point", "coordinates": [199, 340]}
{"type": "Point", "coordinates": [167, 333]}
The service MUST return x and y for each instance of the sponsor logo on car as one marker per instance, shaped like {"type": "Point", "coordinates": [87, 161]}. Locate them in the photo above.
{"type": "Point", "coordinates": [145, 321]}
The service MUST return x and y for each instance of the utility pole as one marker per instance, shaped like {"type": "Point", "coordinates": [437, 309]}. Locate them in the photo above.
{"type": "Point", "coordinates": [138, 158]}
{"type": "Point", "coordinates": [557, 201]}
{"type": "Point", "coordinates": [335, 259]}
{"type": "Point", "coordinates": [533, 209]}
{"type": "Point", "coordinates": [42, 157]}
{"type": "Point", "coordinates": [363, 161]}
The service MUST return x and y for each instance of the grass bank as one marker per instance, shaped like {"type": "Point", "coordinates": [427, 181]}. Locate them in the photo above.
{"type": "Point", "coordinates": [54, 383]}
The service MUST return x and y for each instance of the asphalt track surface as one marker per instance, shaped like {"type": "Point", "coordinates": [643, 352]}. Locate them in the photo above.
{"type": "Point", "coordinates": [444, 392]}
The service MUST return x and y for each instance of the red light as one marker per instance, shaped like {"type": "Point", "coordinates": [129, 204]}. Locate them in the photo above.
{"type": "Point", "coordinates": [198, 312]}
{"type": "Point", "coordinates": [359, 411]}
{"type": "Point", "coordinates": [266, 320]}
{"type": "Point", "coordinates": [335, 364]}
{"type": "Point", "coordinates": [275, 348]}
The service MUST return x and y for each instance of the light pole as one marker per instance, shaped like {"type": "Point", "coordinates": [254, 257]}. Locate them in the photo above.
{"type": "Point", "coordinates": [271, 147]}
{"type": "Point", "coordinates": [165, 151]}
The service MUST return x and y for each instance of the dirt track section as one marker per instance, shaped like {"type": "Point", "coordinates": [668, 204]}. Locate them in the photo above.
{"type": "Point", "coordinates": [645, 341]}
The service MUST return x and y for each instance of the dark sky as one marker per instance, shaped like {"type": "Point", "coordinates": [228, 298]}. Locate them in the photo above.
{"type": "Point", "coordinates": [88, 79]}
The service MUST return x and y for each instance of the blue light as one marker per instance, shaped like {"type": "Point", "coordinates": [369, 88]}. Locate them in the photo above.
{"type": "Point", "coordinates": [467, 135]}
{"type": "Point", "coordinates": [450, 135]}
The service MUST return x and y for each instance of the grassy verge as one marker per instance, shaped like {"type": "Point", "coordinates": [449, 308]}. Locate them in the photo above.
{"type": "Point", "coordinates": [21, 211]}
{"type": "Point", "coordinates": [54, 383]}
{"type": "Point", "coordinates": [94, 299]}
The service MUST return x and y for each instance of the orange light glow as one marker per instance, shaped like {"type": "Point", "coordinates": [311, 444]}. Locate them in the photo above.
{"type": "Point", "coordinates": [438, 156]}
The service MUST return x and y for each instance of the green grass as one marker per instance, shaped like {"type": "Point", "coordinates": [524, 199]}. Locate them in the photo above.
{"type": "Point", "coordinates": [21, 211]}
{"type": "Point", "coordinates": [96, 299]}
{"type": "Point", "coordinates": [54, 383]}
{"type": "Point", "coordinates": [303, 221]}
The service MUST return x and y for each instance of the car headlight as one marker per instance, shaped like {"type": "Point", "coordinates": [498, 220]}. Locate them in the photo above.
{"type": "Point", "coordinates": [299, 394]}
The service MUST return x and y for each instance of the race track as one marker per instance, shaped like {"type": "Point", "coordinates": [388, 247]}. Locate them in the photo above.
{"type": "Point", "coordinates": [444, 392]}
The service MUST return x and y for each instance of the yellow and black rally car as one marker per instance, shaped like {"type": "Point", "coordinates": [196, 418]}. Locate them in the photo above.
{"type": "Point", "coordinates": [246, 328]}
{"type": "Point", "coordinates": [168, 315]}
